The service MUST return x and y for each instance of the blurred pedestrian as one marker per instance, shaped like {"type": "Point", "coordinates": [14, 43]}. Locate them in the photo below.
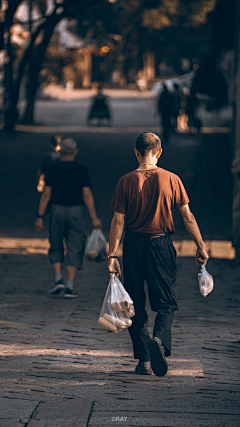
{"type": "Point", "coordinates": [164, 106]}
{"type": "Point", "coordinates": [191, 111]}
{"type": "Point", "coordinates": [176, 105]}
{"type": "Point", "coordinates": [144, 201]}
{"type": "Point", "coordinates": [99, 109]}
{"type": "Point", "coordinates": [68, 186]}
{"type": "Point", "coordinates": [48, 161]}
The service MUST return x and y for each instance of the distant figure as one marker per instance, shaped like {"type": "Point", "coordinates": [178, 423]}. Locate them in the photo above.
{"type": "Point", "coordinates": [68, 186]}
{"type": "Point", "coordinates": [99, 109]}
{"type": "Point", "coordinates": [48, 161]}
{"type": "Point", "coordinates": [164, 107]}
{"type": "Point", "coordinates": [176, 96]}
{"type": "Point", "coordinates": [191, 111]}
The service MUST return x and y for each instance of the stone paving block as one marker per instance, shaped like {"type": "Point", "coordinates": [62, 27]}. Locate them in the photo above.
{"type": "Point", "coordinates": [164, 420]}
{"type": "Point", "coordinates": [62, 413]}
{"type": "Point", "coordinates": [60, 422]}
{"type": "Point", "coordinates": [190, 401]}
{"type": "Point", "coordinates": [16, 409]}
{"type": "Point", "coordinates": [10, 423]}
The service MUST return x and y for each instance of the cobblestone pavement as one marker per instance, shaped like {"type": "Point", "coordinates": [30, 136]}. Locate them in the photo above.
{"type": "Point", "coordinates": [59, 368]}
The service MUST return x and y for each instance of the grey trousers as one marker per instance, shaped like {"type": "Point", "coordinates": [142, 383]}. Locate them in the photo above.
{"type": "Point", "coordinates": [66, 223]}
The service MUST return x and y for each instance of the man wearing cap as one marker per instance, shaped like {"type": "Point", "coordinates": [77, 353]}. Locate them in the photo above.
{"type": "Point", "coordinates": [68, 186]}
{"type": "Point", "coordinates": [144, 200]}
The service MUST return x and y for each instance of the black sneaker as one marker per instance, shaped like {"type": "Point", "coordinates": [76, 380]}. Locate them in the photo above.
{"type": "Point", "coordinates": [57, 288]}
{"type": "Point", "coordinates": [158, 360]}
{"type": "Point", "coordinates": [143, 368]}
{"type": "Point", "coordinates": [68, 293]}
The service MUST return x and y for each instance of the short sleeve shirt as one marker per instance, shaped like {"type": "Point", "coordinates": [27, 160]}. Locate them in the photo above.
{"type": "Point", "coordinates": [67, 180]}
{"type": "Point", "coordinates": [148, 198]}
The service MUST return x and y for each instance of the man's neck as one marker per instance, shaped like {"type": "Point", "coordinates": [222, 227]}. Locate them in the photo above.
{"type": "Point", "coordinates": [147, 163]}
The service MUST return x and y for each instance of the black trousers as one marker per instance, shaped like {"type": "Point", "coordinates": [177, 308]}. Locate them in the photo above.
{"type": "Point", "coordinates": [151, 259]}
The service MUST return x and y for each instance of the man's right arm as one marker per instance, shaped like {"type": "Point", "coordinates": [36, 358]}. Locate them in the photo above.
{"type": "Point", "coordinates": [46, 196]}
{"type": "Point", "coordinates": [193, 229]}
{"type": "Point", "coordinates": [115, 235]}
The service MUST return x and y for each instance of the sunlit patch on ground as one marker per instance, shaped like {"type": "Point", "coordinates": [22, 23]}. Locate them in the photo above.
{"type": "Point", "coordinates": [185, 367]}
{"type": "Point", "coordinates": [185, 248]}
{"type": "Point", "coordinates": [22, 350]}
{"type": "Point", "coordinates": [94, 360]}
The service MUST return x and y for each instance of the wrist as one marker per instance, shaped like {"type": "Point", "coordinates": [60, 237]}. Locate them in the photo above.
{"type": "Point", "coordinates": [40, 216]}
{"type": "Point", "coordinates": [201, 246]}
{"type": "Point", "coordinates": [111, 257]}
{"type": "Point", "coordinates": [93, 216]}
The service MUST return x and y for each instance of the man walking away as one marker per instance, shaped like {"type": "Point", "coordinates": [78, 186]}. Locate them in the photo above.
{"type": "Point", "coordinates": [68, 186]}
{"type": "Point", "coordinates": [165, 103]}
{"type": "Point", "coordinates": [144, 200]}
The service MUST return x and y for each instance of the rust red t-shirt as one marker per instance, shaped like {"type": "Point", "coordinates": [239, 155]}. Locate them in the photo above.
{"type": "Point", "coordinates": [148, 198]}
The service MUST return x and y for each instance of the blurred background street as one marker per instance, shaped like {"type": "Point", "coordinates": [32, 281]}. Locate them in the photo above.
{"type": "Point", "coordinates": [201, 160]}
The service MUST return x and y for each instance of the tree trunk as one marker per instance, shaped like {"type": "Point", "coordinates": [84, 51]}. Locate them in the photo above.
{"type": "Point", "coordinates": [33, 72]}
{"type": "Point", "coordinates": [149, 66]}
{"type": "Point", "coordinates": [21, 67]}
{"type": "Point", "coordinates": [87, 70]}
{"type": "Point", "coordinates": [10, 113]}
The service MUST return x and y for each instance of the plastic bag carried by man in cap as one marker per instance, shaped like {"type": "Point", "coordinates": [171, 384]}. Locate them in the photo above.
{"type": "Point", "coordinates": [69, 187]}
{"type": "Point", "coordinates": [144, 201]}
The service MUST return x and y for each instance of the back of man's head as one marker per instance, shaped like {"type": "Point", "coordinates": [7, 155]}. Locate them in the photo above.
{"type": "Point", "coordinates": [148, 141]}
{"type": "Point", "coordinates": [68, 146]}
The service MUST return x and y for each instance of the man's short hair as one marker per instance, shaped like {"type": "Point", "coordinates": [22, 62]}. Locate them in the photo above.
{"type": "Point", "coordinates": [68, 146]}
{"type": "Point", "coordinates": [148, 141]}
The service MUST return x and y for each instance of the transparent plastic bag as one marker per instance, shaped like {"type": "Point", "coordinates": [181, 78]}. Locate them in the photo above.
{"type": "Point", "coordinates": [205, 281]}
{"type": "Point", "coordinates": [120, 299]}
{"type": "Point", "coordinates": [116, 319]}
{"type": "Point", "coordinates": [96, 247]}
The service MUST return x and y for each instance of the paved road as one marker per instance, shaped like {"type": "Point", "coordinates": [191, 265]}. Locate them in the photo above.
{"type": "Point", "coordinates": [59, 368]}
{"type": "Point", "coordinates": [128, 108]}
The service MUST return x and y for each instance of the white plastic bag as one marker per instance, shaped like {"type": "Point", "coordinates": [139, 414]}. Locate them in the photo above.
{"type": "Point", "coordinates": [117, 307]}
{"type": "Point", "coordinates": [96, 247]}
{"type": "Point", "coordinates": [205, 281]}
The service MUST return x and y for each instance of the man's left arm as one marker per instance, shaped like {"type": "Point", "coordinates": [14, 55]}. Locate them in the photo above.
{"type": "Point", "coordinates": [193, 229]}
{"type": "Point", "coordinates": [115, 235]}
{"type": "Point", "coordinates": [45, 197]}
